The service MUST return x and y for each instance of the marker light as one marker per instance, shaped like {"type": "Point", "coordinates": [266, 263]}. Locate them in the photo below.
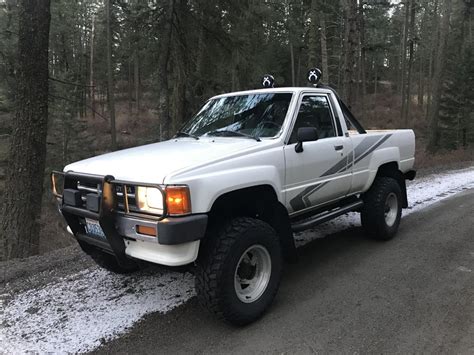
{"type": "Point", "coordinates": [178, 200]}
{"type": "Point", "coordinates": [146, 230]}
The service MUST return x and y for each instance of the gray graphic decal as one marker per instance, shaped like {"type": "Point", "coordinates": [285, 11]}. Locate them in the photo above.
{"type": "Point", "coordinates": [363, 149]}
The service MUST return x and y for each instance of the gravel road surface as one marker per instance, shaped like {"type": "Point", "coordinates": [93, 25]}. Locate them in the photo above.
{"type": "Point", "coordinates": [347, 294]}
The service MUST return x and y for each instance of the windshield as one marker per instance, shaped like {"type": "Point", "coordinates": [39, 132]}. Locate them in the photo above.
{"type": "Point", "coordinates": [255, 115]}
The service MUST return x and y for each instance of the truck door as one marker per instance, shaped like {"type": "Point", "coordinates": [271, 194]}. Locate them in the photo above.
{"type": "Point", "coordinates": [321, 173]}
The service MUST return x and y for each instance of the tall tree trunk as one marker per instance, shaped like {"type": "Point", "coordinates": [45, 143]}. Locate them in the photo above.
{"type": "Point", "coordinates": [91, 72]}
{"type": "Point", "coordinates": [324, 49]}
{"type": "Point", "coordinates": [434, 42]}
{"type": "Point", "coordinates": [298, 67]}
{"type": "Point", "coordinates": [201, 63]}
{"type": "Point", "coordinates": [404, 58]}
{"type": "Point", "coordinates": [440, 61]}
{"type": "Point", "coordinates": [110, 80]}
{"type": "Point", "coordinates": [421, 80]}
{"type": "Point", "coordinates": [428, 87]}
{"type": "Point", "coordinates": [292, 63]}
{"type": "Point", "coordinates": [312, 41]}
{"type": "Point", "coordinates": [27, 156]}
{"type": "Point", "coordinates": [361, 31]}
{"type": "Point", "coordinates": [235, 84]}
{"type": "Point", "coordinates": [350, 50]}
{"type": "Point", "coordinates": [376, 79]}
{"type": "Point", "coordinates": [163, 94]}
{"type": "Point", "coordinates": [422, 47]}
{"type": "Point", "coordinates": [136, 79]}
{"type": "Point", "coordinates": [130, 81]}
{"type": "Point", "coordinates": [410, 61]}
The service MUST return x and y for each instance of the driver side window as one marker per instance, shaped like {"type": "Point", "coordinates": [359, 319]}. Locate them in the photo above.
{"type": "Point", "coordinates": [314, 112]}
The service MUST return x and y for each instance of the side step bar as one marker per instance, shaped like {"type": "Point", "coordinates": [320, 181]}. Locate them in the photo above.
{"type": "Point", "coordinates": [326, 216]}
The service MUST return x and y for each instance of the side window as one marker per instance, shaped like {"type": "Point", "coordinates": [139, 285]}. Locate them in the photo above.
{"type": "Point", "coordinates": [314, 112]}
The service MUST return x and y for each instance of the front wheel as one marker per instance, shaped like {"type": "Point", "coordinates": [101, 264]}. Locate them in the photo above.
{"type": "Point", "coordinates": [382, 209]}
{"type": "Point", "coordinates": [238, 273]}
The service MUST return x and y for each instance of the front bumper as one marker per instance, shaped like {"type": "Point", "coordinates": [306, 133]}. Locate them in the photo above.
{"type": "Point", "coordinates": [176, 241]}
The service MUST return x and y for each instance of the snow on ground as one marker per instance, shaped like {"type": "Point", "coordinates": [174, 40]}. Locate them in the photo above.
{"type": "Point", "coordinates": [81, 311]}
{"type": "Point", "coordinates": [422, 192]}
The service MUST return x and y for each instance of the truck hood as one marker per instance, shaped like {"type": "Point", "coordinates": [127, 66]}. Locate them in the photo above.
{"type": "Point", "coordinates": [153, 162]}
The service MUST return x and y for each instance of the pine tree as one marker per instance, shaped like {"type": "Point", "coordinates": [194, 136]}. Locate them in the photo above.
{"type": "Point", "coordinates": [24, 183]}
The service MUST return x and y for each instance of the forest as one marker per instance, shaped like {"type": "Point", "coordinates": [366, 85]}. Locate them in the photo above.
{"type": "Point", "coordinates": [80, 78]}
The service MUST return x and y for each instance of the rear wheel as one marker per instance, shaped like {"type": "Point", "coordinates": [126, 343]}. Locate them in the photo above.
{"type": "Point", "coordinates": [239, 270]}
{"type": "Point", "coordinates": [382, 209]}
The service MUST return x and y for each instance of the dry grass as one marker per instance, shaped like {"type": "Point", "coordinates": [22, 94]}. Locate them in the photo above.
{"type": "Point", "coordinates": [133, 128]}
{"type": "Point", "coordinates": [384, 112]}
{"type": "Point", "coordinates": [424, 159]}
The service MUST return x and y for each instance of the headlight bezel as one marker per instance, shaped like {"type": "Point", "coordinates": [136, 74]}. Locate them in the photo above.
{"type": "Point", "coordinates": [172, 200]}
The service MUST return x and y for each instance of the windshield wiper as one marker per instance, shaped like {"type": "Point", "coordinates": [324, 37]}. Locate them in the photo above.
{"type": "Point", "coordinates": [233, 133]}
{"type": "Point", "coordinates": [185, 134]}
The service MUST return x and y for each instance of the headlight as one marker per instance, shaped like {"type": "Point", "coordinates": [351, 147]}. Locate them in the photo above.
{"type": "Point", "coordinates": [149, 199]}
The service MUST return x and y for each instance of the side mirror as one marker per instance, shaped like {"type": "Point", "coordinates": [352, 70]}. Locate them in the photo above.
{"type": "Point", "coordinates": [305, 134]}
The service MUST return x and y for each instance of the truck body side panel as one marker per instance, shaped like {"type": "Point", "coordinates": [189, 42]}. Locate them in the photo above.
{"type": "Point", "coordinates": [376, 148]}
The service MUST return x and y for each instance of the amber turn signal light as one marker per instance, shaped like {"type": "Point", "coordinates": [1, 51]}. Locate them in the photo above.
{"type": "Point", "coordinates": [178, 200]}
{"type": "Point", "coordinates": [146, 230]}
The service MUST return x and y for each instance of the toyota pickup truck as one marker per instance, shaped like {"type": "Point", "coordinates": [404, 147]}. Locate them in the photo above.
{"type": "Point", "coordinates": [229, 190]}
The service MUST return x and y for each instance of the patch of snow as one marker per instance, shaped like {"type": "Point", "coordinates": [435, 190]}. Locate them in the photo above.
{"type": "Point", "coordinates": [80, 312]}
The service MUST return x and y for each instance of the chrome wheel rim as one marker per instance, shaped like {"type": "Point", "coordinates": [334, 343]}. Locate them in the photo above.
{"type": "Point", "coordinates": [391, 209]}
{"type": "Point", "coordinates": [252, 274]}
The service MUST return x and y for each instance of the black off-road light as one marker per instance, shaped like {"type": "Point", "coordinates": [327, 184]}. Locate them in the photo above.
{"type": "Point", "coordinates": [314, 75]}
{"type": "Point", "coordinates": [268, 81]}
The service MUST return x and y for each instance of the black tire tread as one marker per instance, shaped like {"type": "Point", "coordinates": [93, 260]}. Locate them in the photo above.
{"type": "Point", "coordinates": [211, 264]}
{"type": "Point", "coordinates": [374, 201]}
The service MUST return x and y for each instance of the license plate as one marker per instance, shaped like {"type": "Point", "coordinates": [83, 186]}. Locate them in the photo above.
{"type": "Point", "coordinates": [93, 229]}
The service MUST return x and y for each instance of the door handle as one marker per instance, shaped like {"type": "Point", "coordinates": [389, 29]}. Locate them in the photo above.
{"type": "Point", "coordinates": [338, 147]}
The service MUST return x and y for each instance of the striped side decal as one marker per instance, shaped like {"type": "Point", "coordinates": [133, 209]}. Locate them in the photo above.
{"type": "Point", "coordinates": [375, 146]}
{"type": "Point", "coordinates": [363, 149]}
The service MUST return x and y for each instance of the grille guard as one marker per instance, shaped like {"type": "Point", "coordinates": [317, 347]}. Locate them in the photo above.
{"type": "Point", "coordinates": [107, 210]}
{"type": "Point", "coordinates": [109, 198]}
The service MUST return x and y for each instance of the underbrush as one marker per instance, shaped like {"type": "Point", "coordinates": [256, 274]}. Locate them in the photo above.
{"type": "Point", "coordinates": [442, 158]}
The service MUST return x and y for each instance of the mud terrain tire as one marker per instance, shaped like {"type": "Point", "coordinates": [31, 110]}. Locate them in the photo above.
{"type": "Point", "coordinates": [239, 269]}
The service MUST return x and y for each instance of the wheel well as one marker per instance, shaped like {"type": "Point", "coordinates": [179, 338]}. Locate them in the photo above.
{"type": "Point", "coordinates": [249, 201]}
{"type": "Point", "coordinates": [391, 170]}
{"type": "Point", "coordinates": [259, 202]}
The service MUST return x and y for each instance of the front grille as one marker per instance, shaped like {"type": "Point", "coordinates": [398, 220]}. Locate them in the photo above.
{"type": "Point", "coordinates": [132, 201]}
{"type": "Point", "coordinates": [84, 192]}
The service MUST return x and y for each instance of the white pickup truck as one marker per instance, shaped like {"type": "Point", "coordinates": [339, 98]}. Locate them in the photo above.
{"type": "Point", "coordinates": [228, 191]}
